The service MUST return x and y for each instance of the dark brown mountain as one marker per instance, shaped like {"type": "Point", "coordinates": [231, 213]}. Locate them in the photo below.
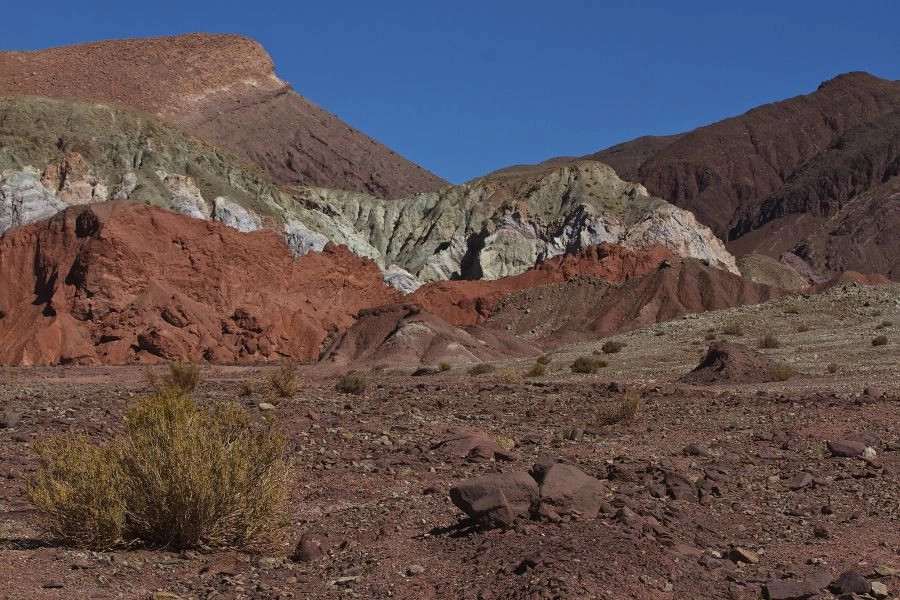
{"type": "Point", "coordinates": [224, 88]}
{"type": "Point", "coordinates": [775, 178]}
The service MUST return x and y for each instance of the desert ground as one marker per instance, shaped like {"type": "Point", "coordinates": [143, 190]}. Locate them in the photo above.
{"type": "Point", "coordinates": [722, 490]}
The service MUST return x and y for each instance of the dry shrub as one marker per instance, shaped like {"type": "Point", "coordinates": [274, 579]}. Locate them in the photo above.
{"type": "Point", "coordinates": [536, 370]}
{"type": "Point", "coordinates": [612, 346]}
{"type": "Point", "coordinates": [544, 359]}
{"type": "Point", "coordinates": [507, 376]}
{"type": "Point", "coordinates": [782, 372]}
{"type": "Point", "coordinates": [184, 375]}
{"type": "Point", "coordinates": [802, 328]}
{"type": "Point", "coordinates": [881, 340]}
{"type": "Point", "coordinates": [884, 325]}
{"type": "Point", "coordinates": [246, 389]}
{"type": "Point", "coordinates": [79, 492]}
{"type": "Point", "coordinates": [832, 368]}
{"type": "Point", "coordinates": [709, 337]}
{"type": "Point", "coordinates": [481, 369]}
{"type": "Point", "coordinates": [283, 380]}
{"type": "Point", "coordinates": [735, 329]}
{"type": "Point", "coordinates": [587, 364]}
{"type": "Point", "coordinates": [445, 366]}
{"type": "Point", "coordinates": [623, 411]}
{"type": "Point", "coordinates": [769, 341]}
{"type": "Point", "coordinates": [351, 383]}
{"type": "Point", "coordinates": [424, 371]}
{"type": "Point", "coordinates": [179, 477]}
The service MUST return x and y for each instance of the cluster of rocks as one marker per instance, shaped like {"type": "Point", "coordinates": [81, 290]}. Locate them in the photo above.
{"type": "Point", "coordinates": [554, 488]}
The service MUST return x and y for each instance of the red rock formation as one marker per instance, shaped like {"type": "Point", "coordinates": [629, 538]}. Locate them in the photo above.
{"type": "Point", "coordinates": [584, 307]}
{"type": "Point", "coordinates": [223, 88]}
{"type": "Point", "coordinates": [122, 282]}
{"type": "Point", "coordinates": [469, 302]}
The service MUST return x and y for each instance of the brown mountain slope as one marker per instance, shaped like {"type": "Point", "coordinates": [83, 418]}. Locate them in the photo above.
{"type": "Point", "coordinates": [584, 307]}
{"type": "Point", "coordinates": [122, 282]}
{"type": "Point", "coordinates": [768, 180]}
{"type": "Point", "coordinates": [720, 170]}
{"type": "Point", "coordinates": [224, 88]}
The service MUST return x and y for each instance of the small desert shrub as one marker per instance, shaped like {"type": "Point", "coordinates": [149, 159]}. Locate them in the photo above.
{"type": "Point", "coordinates": [79, 492]}
{"type": "Point", "coordinates": [832, 368]}
{"type": "Point", "coordinates": [544, 359]}
{"type": "Point", "coordinates": [782, 372]}
{"type": "Point", "coordinates": [351, 383]}
{"type": "Point", "coordinates": [179, 477]}
{"type": "Point", "coordinates": [881, 340]}
{"type": "Point", "coordinates": [151, 377]}
{"type": "Point", "coordinates": [623, 411]}
{"type": "Point", "coordinates": [246, 389]}
{"type": "Point", "coordinates": [445, 366]}
{"type": "Point", "coordinates": [283, 380]}
{"type": "Point", "coordinates": [792, 310]}
{"type": "Point", "coordinates": [769, 341]}
{"type": "Point", "coordinates": [659, 333]}
{"type": "Point", "coordinates": [423, 371]}
{"type": "Point", "coordinates": [481, 369]}
{"type": "Point", "coordinates": [536, 370]}
{"type": "Point", "coordinates": [507, 376]}
{"type": "Point", "coordinates": [184, 375]}
{"type": "Point", "coordinates": [709, 337]}
{"type": "Point", "coordinates": [612, 346]}
{"type": "Point", "coordinates": [884, 325]}
{"type": "Point", "coordinates": [586, 364]}
{"type": "Point", "coordinates": [803, 328]}
{"type": "Point", "coordinates": [733, 329]}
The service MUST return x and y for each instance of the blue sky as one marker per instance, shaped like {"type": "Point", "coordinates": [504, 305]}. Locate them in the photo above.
{"type": "Point", "coordinates": [467, 87]}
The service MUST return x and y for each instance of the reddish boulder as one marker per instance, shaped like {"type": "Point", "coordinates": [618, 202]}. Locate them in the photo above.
{"type": "Point", "coordinates": [498, 499]}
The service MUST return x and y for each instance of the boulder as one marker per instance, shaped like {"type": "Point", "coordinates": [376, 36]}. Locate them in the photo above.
{"type": "Point", "coordinates": [567, 488]}
{"type": "Point", "coordinates": [846, 448]}
{"type": "Point", "coordinates": [498, 499]}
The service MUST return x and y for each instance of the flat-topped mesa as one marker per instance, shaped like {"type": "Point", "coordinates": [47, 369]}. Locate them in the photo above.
{"type": "Point", "coordinates": [224, 88]}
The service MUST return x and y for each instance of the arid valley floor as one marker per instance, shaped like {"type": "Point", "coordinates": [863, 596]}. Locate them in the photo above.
{"type": "Point", "coordinates": [371, 478]}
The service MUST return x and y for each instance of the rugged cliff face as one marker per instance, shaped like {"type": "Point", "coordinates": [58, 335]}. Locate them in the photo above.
{"type": "Point", "coordinates": [224, 88]}
{"type": "Point", "coordinates": [59, 153]}
{"type": "Point", "coordinates": [122, 282]}
{"type": "Point", "coordinates": [500, 226]}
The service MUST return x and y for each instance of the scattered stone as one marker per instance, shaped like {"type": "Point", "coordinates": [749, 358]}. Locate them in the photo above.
{"type": "Point", "coordinates": [476, 445]}
{"type": "Point", "coordinates": [264, 406]}
{"type": "Point", "coordinates": [851, 582]}
{"type": "Point", "coordinates": [52, 585]}
{"type": "Point", "coordinates": [347, 580]}
{"type": "Point", "coordinates": [885, 571]}
{"type": "Point", "coordinates": [164, 596]}
{"type": "Point", "coordinates": [800, 481]}
{"type": "Point", "coordinates": [8, 419]}
{"type": "Point", "coordinates": [790, 589]}
{"type": "Point", "coordinates": [846, 448]}
{"type": "Point", "coordinates": [866, 437]}
{"type": "Point", "coordinates": [498, 499]}
{"type": "Point", "coordinates": [742, 555]}
{"type": "Point", "coordinates": [311, 546]}
{"type": "Point", "coordinates": [695, 450]}
{"type": "Point", "coordinates": [879, 590]}
{"type": "Point", "coordinates": [414, 570]}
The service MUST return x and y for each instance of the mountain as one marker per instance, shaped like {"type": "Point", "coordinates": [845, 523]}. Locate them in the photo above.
{"type": "Point", "coordinates": [773, 179]}
{"type": "Point", "coordinates": [224, 89]}
{"type": "Point", "coordinates": [56, 153]}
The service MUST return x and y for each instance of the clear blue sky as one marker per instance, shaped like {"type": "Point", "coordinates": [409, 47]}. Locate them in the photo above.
{"type": "Point", "coordinates": [466, 87]}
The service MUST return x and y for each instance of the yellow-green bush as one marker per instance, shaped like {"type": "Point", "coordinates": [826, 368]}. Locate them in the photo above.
{"type": "Point", "coordinates": [179, 477]}
{"type": "Point", "coordinates": [352, 383]}
{"type": "Point", "coordinates": [283, 380]}
{"type": "Point", "coordinates": [184, 375]}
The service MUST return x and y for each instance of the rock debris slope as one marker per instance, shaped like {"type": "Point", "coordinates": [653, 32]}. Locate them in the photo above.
{"type": "Point", "coordinates": [223, 88]}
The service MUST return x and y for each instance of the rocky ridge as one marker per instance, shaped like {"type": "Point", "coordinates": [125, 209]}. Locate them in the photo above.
{"type": "Point", "coordinates": [223, 88]}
